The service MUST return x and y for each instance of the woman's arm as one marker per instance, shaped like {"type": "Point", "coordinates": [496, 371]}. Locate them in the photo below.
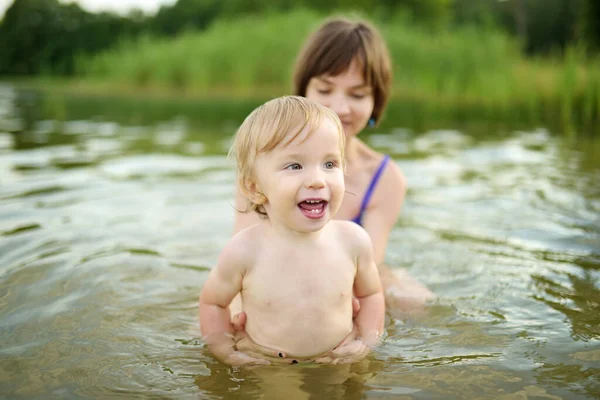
{"type": "Point", "coordinates": [384, 209]}
{"type": "Point", "coordinates": [403, 294]}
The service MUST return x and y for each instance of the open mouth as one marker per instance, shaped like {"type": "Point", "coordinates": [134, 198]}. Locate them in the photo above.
{"type": "Point", "coordinates": [313, 208]}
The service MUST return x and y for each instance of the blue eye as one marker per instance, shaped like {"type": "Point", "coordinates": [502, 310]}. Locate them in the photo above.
{"type": "Point", "coordinates": [294, 167]}
{"type": "Point", "coordinates": [329, 165]}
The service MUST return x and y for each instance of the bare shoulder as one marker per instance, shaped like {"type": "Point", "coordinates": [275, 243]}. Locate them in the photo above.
{"type": "Point", "coordinates": [240, 251]}
{"type": "Point", "coordinates": [393, 178]}
{"type": "Point", "coordinates": [389, 192]}
{"type": "Point", "coordinates": [392, 182]}
{"type": "Point", "coordinates": [353, 235]}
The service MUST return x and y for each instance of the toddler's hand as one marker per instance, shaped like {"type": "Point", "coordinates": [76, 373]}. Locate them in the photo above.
{"type": "Point", "coordinates": [245, 344]}
{"type": "Point", "coordinates": [346, 353]}
{"type": "Point", "coordinates": [225, 351]}
{"type": "Point", "coordinates": [352, 349]}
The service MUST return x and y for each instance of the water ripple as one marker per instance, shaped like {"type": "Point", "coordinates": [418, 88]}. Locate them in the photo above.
{"type": "Point", "coordinates": [107, 233]}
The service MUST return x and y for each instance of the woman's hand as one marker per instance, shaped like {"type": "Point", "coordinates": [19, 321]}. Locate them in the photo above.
{"type": "Point", "coordinates": [239, 358]}
{"type": "Point", "coordinates": [247, 346]}
{"type": "Point", "coordinates": [404, 295]}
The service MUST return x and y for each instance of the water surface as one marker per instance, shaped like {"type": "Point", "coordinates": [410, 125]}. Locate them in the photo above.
{"type": "Point", "coordinates": [109, 225]}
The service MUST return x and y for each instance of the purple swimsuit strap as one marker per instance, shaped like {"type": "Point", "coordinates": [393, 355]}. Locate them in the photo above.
{"type": "Point", "coordinates": [371, 189]}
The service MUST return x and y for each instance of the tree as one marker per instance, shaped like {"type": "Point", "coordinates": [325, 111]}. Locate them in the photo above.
{"type": "Point", "coordinates": [44, 36]}
{"type": "Point", "coordinates": [589, 18]}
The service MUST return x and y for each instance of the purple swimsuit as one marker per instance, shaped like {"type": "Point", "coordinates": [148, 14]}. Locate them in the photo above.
{"type": "Point", "coordinates": [371, 189]}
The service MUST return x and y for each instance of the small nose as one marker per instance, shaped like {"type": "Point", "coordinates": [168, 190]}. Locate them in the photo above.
{"type": "Point", "coordinates": [340, 104]}
{"type": "Point", "coordinates": [316, 180]}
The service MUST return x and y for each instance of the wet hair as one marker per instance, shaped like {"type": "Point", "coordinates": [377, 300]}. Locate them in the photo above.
{"type": "Point", "coordinates": [331, 49]}
{"type": "Point", "coordinates": [275, 123]}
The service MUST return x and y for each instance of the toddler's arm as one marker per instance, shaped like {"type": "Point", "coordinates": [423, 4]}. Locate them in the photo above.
{"type": "Point", "coordinates": [367, 288]}
{"type": "Point", "coordinates": [223, 283]}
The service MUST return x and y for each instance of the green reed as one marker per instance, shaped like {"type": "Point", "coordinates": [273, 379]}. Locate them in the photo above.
{"type": "Point", "coordinates": [447, 75]}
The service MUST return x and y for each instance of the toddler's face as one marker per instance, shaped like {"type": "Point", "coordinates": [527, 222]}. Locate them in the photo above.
{"type": "Point", "coordinates": [303, 182]}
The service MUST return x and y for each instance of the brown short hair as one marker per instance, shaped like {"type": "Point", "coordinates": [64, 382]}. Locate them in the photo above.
{"type": "Point", "coordinates": [277, 122]}
{"type": "Point", "coordinates": [332, 48]}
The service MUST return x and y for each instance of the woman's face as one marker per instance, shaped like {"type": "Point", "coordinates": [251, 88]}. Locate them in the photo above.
{"type": "Point", "coordinates": [347, 94]}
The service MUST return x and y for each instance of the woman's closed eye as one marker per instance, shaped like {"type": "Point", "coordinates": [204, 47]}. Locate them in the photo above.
{"type": "Point", "coordinates": [358, 96]}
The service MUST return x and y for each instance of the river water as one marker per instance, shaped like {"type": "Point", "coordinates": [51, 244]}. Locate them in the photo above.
{"type": "Point", "coordinates": [109, 226]}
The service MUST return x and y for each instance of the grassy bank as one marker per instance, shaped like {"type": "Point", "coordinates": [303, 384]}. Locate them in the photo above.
{"type": "Point", "coordinates": [452, 74]}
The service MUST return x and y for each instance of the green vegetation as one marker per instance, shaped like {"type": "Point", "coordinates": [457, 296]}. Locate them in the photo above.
{"type": "Point", "coordinates": [239, 56]}
{"type": "Point", "coordinates": [448, 73]}
{"type": "Point", "coordinates": [525, 61]}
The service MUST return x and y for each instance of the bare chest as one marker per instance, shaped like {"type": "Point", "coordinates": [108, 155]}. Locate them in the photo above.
{"type": "Point", "coordinates": [288, 277]}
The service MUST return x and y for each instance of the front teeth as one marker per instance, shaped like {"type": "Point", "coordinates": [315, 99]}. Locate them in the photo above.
{"type": "Point", "coordinates": [313, 201]}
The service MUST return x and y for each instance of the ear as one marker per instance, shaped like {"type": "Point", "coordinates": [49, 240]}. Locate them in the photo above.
{"type": "Point", "coordinates": [253, 192]}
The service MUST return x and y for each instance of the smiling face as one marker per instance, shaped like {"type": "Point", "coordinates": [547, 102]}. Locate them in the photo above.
{"type": "Point", "coordinates": [347, 94]}
{"type": "Point", "coordinates": [303, 182]}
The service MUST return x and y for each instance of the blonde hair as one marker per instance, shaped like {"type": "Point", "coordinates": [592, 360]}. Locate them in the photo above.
{"type": "Point", "coordinates": [331, 49]}
{"type": "Point", "coordinates": [276, 122]}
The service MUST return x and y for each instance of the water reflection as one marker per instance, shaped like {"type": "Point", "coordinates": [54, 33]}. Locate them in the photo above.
{"type": "Point", "coordinates": [576, 295]}
{"type": "Point", "coordinates": [576, 379]}
{"type": "Point", "coordinates": [301, 382]}
{"type": "Point", "coordinates": [112, 213]}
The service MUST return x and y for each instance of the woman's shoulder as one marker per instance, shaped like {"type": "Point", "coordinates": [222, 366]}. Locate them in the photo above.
{"type": "Point", "coordinates": [391, 188]}
{"type": "Point", "coordinates": [394, 175]}
{"type": "Point", "coordinates": [372, 159]}
{"type": "Point", "coordinates": [390, 173]}
{"type": "Point", "coordinates": [388, 190]}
